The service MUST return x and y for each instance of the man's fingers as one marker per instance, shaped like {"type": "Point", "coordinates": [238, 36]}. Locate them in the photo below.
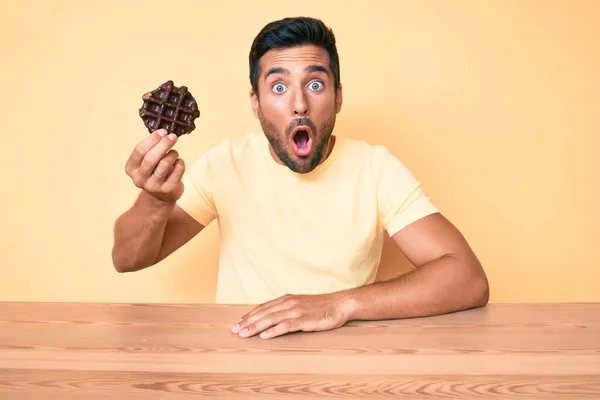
{"type": "Point", "coordinates": [177, 171]}
{"type": "Point", "coordinates": [285, 326]}
{"type": "Point", "coordinates": [165, 165]}
{"type": "Point", "coordinates": [259, 322]}
{"type": "Point", "coordinates": [265, 306]}
{"type": "Point", "coordinates": [139, 152]}
{"type": "Point", "coordinates": [156, 153]}
{"type": "Point", "coordinates": [252, 318]}
{"type": "Point", "coordinates": [258, 312]}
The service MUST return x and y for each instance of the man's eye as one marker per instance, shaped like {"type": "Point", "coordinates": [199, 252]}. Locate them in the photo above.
{"type": "Point", "coordinates": [279, 88]}
{"type": "Point", "coordinates": [316, 85]}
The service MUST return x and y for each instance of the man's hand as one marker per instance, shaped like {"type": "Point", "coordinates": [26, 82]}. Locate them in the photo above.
{"type": "Point", "coordinates": [290, 313]}
{"type": "Point", "coordinates": [156, 168]}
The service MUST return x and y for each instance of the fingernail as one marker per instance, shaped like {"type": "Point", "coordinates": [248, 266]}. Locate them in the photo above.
{"type": "Point", "coordinates": [162, 132]}
{"type": "Point", "coordinates": [244, 332]}
{"type": "Point", "coordinates": [172, 136]}
{"type": "Point", "coordinates": [235, 328]}
{"type": "Point", "coordinates": [264, 335]}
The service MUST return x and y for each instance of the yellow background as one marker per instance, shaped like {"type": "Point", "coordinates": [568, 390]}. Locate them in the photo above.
{"type": "Point", "coordinates": [494, 105]}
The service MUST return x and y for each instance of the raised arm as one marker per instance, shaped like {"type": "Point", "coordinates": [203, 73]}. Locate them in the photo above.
{"type": "Point", "coordinates": [154, 226]}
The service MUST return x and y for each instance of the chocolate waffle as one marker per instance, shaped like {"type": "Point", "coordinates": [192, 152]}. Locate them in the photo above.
{"type": "Point", "coordinates": [169, 107]}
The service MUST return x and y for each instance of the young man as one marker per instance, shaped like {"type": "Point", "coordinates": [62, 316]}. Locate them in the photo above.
{"type": "Point", "coordinates": [302, 213]}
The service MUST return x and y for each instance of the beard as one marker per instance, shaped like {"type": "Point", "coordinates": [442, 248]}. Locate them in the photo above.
{"type": "Point", "coordinates": [280, 142]}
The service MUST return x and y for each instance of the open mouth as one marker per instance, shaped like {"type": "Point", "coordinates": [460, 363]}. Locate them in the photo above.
{"type": "Point", "coordinates": [301, 141]}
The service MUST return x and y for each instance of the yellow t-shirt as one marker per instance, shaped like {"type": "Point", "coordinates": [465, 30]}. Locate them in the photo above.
{"type": "Point", "coordinates": [288, 233]}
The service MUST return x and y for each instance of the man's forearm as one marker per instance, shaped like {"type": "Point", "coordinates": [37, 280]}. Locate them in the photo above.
{"type": "Point", "coordinates": [441, 286]}
{"type": "Point", "coordinates": [138, 233]}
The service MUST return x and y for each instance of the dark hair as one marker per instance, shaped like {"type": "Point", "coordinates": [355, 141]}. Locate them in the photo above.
{"type": "Point", "coordinates": [292, 32]}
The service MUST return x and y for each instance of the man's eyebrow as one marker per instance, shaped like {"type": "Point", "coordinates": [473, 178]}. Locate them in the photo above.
{"type": "Point", "coordinates": [276, 70]}
{"type": "Point", "coordinates": [284, 71]}
{"type": "Point", "coordinates": [316, 68]}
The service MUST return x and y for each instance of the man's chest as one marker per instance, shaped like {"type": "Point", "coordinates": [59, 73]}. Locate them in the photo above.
{"type": "Point", "coordinates": [325, 222]}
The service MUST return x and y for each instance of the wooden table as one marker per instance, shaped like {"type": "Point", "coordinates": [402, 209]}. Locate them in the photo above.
{"type": "Point", "coordinates": [140, 351]}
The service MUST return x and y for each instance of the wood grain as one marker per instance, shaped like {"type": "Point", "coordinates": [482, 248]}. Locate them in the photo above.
{"type": "Point", "coordinates": [121, 351]}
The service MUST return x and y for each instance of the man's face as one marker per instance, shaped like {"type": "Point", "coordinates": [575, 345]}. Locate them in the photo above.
{"type": "Point", "coordinates": [297, 105]}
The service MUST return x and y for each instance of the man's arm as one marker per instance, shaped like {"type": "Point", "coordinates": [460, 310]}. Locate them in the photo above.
{"type": "Point", "coordinates": [155, 225]}
{"type": "Point", "coordinates": [448, 278]}
{"type": "Point", "coordinates": [448, 275]}
{"type": "Point", "coordinates": [150, 231]}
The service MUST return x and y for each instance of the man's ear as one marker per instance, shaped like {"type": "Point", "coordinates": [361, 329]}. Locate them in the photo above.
{"type": "Point", "coordinates": [254, 102]}
{"type": "Point", "coordinates": [339, 99]}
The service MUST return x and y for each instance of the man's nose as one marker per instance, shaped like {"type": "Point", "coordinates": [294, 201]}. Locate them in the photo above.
{"type": "Point", "coordinates": [300, 104]}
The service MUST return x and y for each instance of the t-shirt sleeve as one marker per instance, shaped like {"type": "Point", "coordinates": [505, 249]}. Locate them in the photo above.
{"type": "Point", "coordinates": [401, 199]}
{"type": "Point", "coordinates": [197, 199]}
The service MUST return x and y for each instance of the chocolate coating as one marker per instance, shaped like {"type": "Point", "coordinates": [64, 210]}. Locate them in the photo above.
{"type": "Point", "coordinates": [169, 107]}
